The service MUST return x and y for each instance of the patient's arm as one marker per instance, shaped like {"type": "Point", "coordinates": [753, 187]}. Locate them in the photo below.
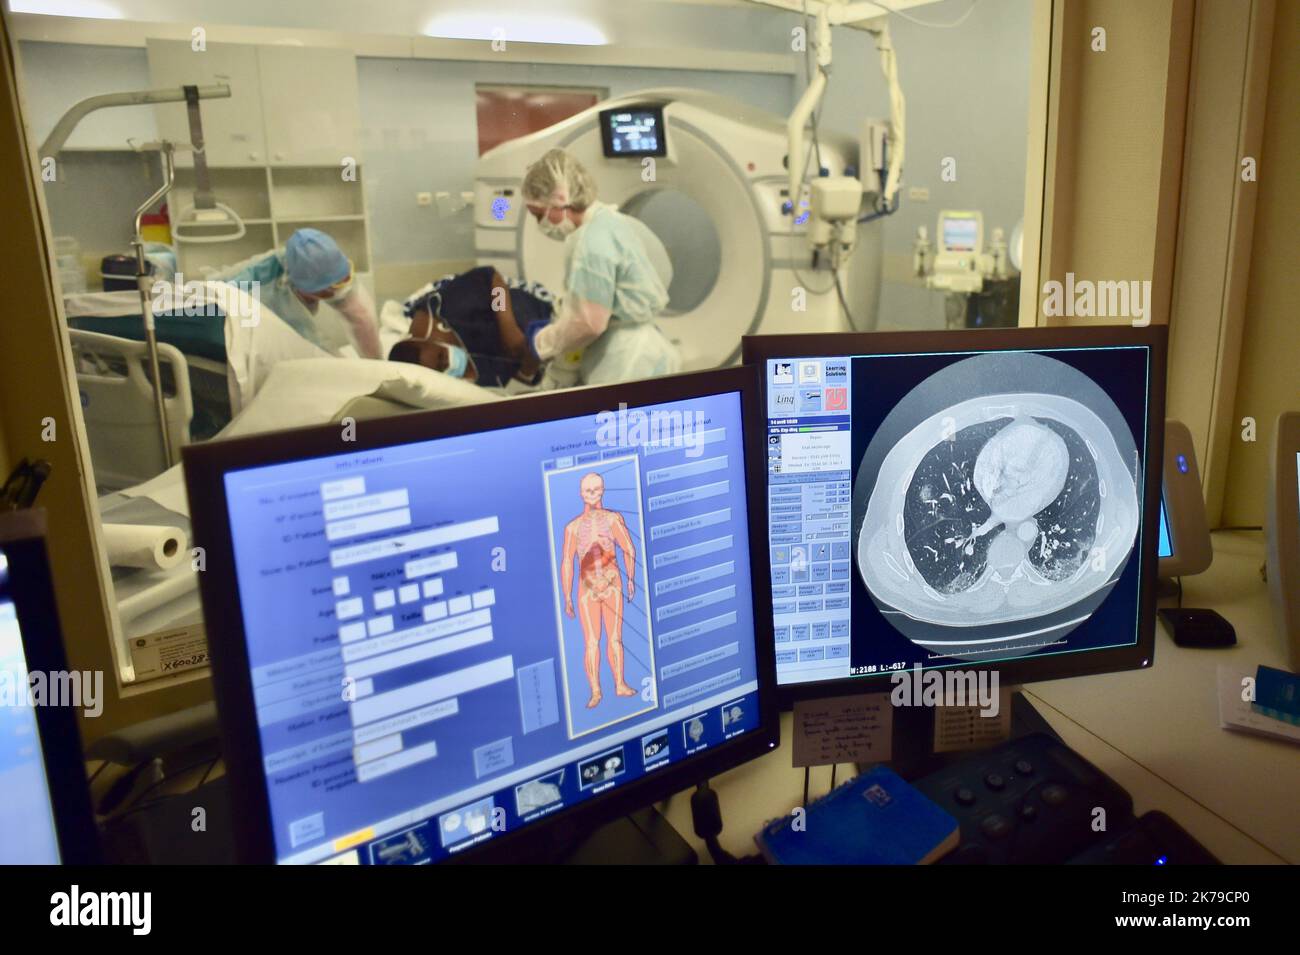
{"type": "Point", "coordinates": [513, 341]}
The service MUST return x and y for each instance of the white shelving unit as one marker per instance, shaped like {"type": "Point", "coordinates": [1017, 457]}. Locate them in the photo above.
{"type": "Point", "coordinates": [277, 150]}
{"type": "Point", "coordinates": [273, 203]}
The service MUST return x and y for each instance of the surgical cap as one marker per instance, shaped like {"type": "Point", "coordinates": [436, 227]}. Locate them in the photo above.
{"type": "Point", "coordinates": [314, 262]}
{"type": "Point", "coordinates": [557, 179]}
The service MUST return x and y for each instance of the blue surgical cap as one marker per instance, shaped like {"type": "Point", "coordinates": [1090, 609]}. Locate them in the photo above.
{"type": "Point", "coordinates": [314, 261]}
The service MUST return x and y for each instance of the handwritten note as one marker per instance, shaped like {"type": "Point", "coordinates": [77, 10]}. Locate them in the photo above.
{"type": "Point", "coordinates": [843, 729]}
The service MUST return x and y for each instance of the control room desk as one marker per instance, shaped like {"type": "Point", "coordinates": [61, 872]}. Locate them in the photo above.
{"type": "Point", "coordinates": [1155, 731]}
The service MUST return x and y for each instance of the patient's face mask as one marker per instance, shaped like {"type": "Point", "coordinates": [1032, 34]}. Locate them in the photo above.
{"type": "Point", "coordinates": [432, 348]}
{"type": "Point", "coordinates": [457, 360]}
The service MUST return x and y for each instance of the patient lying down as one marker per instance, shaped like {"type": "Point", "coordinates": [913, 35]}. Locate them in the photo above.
{"type": "Point", "coordinates": [471, 326]}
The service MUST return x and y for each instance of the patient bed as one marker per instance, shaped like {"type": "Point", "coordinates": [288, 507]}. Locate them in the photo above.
{"type": "Point", "coordinates": [213, 363]}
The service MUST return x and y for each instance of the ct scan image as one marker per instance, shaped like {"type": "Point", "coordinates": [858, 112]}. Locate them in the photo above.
{"type": "Point", "coordinates": [997, 523]}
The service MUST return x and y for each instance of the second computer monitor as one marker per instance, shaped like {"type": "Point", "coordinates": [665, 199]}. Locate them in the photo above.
{"type": "Point", "coordinates": [983, 499]}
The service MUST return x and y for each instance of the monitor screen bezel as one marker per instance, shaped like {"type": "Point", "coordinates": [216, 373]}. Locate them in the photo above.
{"type": "Point", "coordinates": [205, 468]}
{"type": "Point", "coordinates": [22, 537]}
{"type": "Point", "coordinates": [607, 134]}
{"type": "Point", "coordinates": [757, 349]}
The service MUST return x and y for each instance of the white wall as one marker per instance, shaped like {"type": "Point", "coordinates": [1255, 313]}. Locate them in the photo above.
{"type": "Point", "coordinates": [95, 194]}
{"type": "Point", "coordinates": [55, 76]}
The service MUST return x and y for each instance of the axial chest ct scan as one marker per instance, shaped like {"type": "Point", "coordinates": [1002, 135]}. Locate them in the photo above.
{"type": "Point", "coordinates": [970, 506]}
{"type": "Point", "coordinates": [999, 511]}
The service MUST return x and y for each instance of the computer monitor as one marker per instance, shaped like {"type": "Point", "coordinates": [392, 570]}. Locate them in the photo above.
{"type": "Point", "coordinates": [478, 632]}
{"type": "Point", "coordinates": [1282, 533]}
{"type": "Point", "coordinates": [1185, 547]}
{"type": "Point", "coordinates": [633, 131]}
{"type": "Point", "coordinates": [1165, 548]}
{"type": "Point", "coordinates": [961, 499]}
{"type": "Point", "coordinates": [45, 812]}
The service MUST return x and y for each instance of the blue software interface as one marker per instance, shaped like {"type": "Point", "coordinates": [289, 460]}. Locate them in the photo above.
{"type": "Point", "coordinates": [955, 508]}
{"type": "Point", "coordinates": [27, 833]}
{"type": "Point", "coordinates": [1166, 546]}
{"type": "Point", "coordinates": [454, 638]}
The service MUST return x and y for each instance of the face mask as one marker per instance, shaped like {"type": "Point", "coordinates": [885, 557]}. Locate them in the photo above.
{"type": "Point", "coordinates": [559, 231]}
{"type": "Point", "coordinates": [457, 361]}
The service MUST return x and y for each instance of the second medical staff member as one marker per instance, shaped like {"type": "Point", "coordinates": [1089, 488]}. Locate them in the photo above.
{"type": "Point", "coordinates": [293, 283]}
{"type": "Point", "coordinates": [616, 277]}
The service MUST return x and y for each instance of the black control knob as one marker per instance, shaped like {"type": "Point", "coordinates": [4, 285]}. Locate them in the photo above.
{"type": "Point", "coordinates": [1024, 767]}
{"type": "Point", "coordinates": [964, 797]}
{"type": "Point", "coordinates": [995, 782]}
{"type": "Point", "coordinates": [1055, 794]}
{"type": "Point", "coordinates": [995, 826]}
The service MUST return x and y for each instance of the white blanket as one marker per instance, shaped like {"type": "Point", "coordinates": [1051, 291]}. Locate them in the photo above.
{"type": "Point", "coordinates": [312, 391]}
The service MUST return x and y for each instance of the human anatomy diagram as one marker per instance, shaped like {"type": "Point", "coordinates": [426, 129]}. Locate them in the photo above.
{"type": "Point", "coordinates": [590, 540]}
{"type": "Point", "coordinates": [998, 509]}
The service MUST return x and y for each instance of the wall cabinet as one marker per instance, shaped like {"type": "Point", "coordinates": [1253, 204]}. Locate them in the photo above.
{"type": "Point", "coordinates": [289, 105]}
{"type": "Point", "coordinates": [233, 129]}
{"type": "Point", "coordinates": [309, 104]}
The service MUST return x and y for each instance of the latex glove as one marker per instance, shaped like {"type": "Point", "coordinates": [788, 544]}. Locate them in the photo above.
{"type": "Point", "coordinates": [560, 373]}
{"type": "Point", "coordinates": [358, 310]}
{"type": "Point", "coordinates": [580, 323]}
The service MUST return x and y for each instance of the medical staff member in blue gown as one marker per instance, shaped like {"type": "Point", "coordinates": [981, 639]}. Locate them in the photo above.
{"type": "Point", "coordinates": [616, 278]}
{"type": "Point", "coordinates": [294, 281]}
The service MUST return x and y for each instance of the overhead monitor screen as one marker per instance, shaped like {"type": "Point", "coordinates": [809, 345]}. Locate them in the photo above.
{"type": "Point", "coordinates": [633, 132]}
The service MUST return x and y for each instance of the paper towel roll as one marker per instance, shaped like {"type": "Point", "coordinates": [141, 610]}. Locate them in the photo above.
{"type": "Point", "coordinates": [145, 545]}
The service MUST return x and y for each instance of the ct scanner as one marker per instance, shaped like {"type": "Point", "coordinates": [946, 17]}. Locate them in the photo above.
{"type": "Point", "coordinates": [714, 193]}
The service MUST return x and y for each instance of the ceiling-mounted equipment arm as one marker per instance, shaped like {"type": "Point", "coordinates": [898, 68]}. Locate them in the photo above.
{"type": "Point", "coordinates": [870, 17]}
{"type": "Point", "coordinates": [897, 111]}
{"type": "Point", "coordinates": [796, 127]}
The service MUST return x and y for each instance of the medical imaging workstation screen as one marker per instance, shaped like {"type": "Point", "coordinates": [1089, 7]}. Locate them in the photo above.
{"type": "Point", "coordinates": [455, 638]}
{"type": "Point", "coordinates": [953, 509]}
